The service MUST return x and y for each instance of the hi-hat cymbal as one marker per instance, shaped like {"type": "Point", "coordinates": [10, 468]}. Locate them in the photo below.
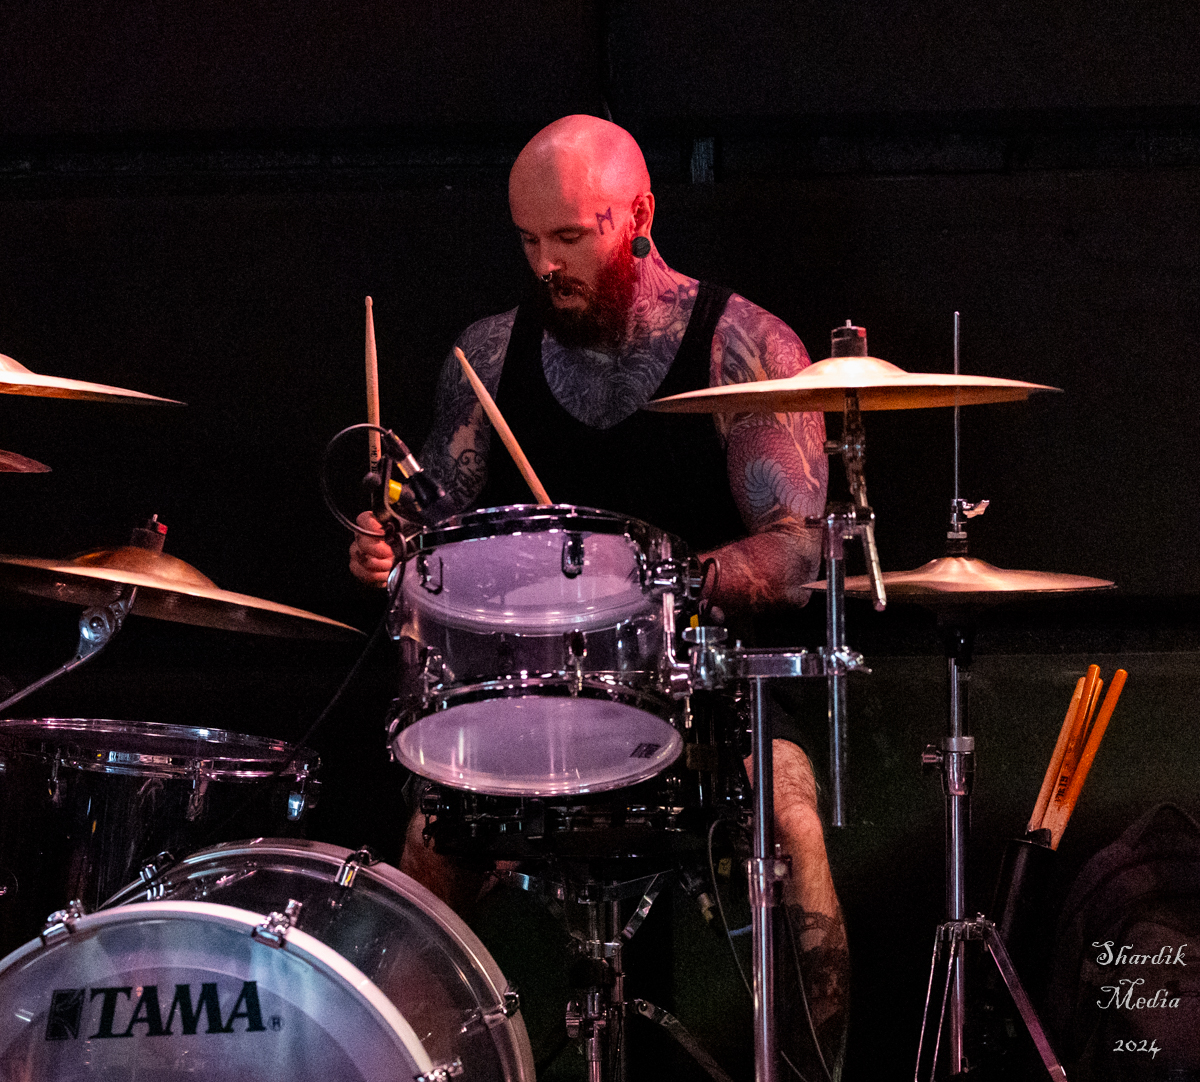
{"type": "Point", "coordinates": [15, 378]}
{"type": "Point", "coordinates": [823, 386]}
{"type": "Point", "coordinates": [168, 589]}
{"type": "Point", "coordinates": [11, 462]}
{"type": "Point", "coordinates": [963, 580]}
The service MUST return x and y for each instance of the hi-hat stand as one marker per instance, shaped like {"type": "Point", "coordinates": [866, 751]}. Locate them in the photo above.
{"type": "Point", "coordinates": [955, 759]}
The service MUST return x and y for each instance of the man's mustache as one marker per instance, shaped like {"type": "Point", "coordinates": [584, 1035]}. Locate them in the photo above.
{"type": "Point", "coordinates": [565, 285]}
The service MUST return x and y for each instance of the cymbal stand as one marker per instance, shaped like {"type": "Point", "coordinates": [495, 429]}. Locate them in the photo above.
{"type": "Point", "coordinates": [97, 626]}
{"type": "Point", "coordinates": [710, 665]}
{"type": "Point", "coordinates": [839, 523]}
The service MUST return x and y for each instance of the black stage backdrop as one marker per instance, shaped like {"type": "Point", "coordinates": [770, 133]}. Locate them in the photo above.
{"type": "Point", "coordinates": [194, 204]}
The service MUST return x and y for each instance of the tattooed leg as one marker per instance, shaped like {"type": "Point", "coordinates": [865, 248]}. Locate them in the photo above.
{"type": "Point", "coordinates": [820, 963]}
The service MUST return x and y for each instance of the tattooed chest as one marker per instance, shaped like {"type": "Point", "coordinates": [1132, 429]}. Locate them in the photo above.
{"type": "Point", "coordinates": [600, 389]}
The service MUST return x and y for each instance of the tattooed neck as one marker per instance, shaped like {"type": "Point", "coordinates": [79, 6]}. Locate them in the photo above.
{"type": "Point", "coordinates": [602, 387]}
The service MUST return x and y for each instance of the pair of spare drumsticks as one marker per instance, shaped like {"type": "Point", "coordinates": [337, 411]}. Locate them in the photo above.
{"type": "Point", "coordinates": [1082, 730]}
{"type": "Point", "coordinates": [481, 392]}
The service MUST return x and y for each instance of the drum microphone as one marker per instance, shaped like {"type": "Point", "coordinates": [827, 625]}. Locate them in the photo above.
{"type": "Point", "coordinates": [424, 490]}
{"type": "Point", "coordinates": [695, 886]}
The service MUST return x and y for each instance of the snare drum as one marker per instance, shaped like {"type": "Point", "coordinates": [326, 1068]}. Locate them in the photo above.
{"type": "Point", "coordinates": [85, 804]}
{"type": "Point", "coordinates": [532, 639]}
{"type": "Point", "coordinates": [370, 978]}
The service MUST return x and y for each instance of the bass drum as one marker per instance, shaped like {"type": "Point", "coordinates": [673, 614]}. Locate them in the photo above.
{"type": "Point", "coordinates": [377, 979]}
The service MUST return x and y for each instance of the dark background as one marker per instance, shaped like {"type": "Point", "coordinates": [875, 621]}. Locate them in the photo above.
{"type": "Point", "coordinates": [194, 202]}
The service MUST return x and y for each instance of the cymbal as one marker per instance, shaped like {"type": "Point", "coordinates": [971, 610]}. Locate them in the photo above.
{"type": "Point", "coordinates": [11, 462]}
{"type": "Point", "coordinates": [168, 589]}
{"type": "Point", "coordinates": [823, 386]}
{"type": "Point", "coordinates": [963, 580]}
{"type": "Point", "coordinates": [15, 378]}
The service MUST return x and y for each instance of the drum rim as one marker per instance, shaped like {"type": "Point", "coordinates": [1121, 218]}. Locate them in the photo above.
{"type": "Point", "coordinates": [389, 877]}
{"type": "Point", "coordinates": [422, 769]}
{"type": "Point", "coordinates": [86, 736]}
{"type": "Point", "coordinates": [299, 944]}
{"type": "Point", "coordinates": [541, 518]}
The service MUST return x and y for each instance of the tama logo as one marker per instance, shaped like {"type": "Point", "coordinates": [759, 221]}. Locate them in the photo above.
{"type": "Point", "coordinates": [122, 1016]}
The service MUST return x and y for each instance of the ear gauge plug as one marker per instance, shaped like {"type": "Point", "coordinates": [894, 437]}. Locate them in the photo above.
{"type": "Point", "coordinates": [641, 247]}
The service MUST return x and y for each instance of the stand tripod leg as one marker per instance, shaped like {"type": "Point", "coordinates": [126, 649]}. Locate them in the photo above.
{"type": "Point", "coordinates": [953, 932]}
{"type": "Point", "coordinates": [1033, 1024]}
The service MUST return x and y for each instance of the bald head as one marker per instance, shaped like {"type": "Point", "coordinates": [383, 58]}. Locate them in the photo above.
{"type": "Point", "coordinates": [579, 194]}
{"type": "Point", "coordinates": [581, 158]}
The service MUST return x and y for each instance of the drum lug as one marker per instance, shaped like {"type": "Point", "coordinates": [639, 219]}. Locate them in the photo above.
{"type": "Point", "coordinates": [273, 931]}
{"type": "Point", "coordinates": [196, 801]}
{"type": "Point", "coordinates": [575, 643]}
{"type": "Point", "coordinates": [56, 791]}
{"type": "Point", "coordinates": [151, 869]}
{"type": "Point", "coordinates": [497, 1016]}
{"type": "Point", "coordinates": [362, 858]}
{"type": "Point", "coordinates": [62, 921]}
{"type": "Point", "coordinates": [425, 577]}
{"type": "Point", "coordinates": [572, 556]}
{"type": "Point", "coordinates": [441, 1072]}
{"type": "Point", "coordinates": [433, 673]}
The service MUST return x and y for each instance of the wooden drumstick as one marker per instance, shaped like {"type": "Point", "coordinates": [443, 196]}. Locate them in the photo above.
{"type": "Point", "coordinates": [502, 429]}
{"type": "Point", "coordinates": [1060, 810]}
{"type": "Point", "coordinates": [374, 450]}
{"type": "Point", "coordinates": [1056, 758]}
{"type": "Point", "coordinates": [1087, 706]}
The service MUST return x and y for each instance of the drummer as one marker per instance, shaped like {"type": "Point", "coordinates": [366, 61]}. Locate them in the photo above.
{"type": "Point", "coordinates": [608, 327]}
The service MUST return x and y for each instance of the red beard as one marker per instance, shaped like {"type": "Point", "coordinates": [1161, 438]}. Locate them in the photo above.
{"type": "Point", "coordinates": [602, 320]}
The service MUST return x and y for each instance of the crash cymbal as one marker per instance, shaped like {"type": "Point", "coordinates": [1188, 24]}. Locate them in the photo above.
{"type": "Point", "coordinates": [11, 462]}
{"type": "Point", "coordinates": [963, 580]}
{"type": "Point", "coordinates": [15, 378]}
{"type": "Point", "coordinates": [823, 386]}
{"type": "Point", "coordinates": [168, 589]}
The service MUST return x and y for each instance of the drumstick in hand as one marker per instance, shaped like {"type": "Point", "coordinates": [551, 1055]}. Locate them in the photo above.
{"type": "Point", "coordinates": [502, 429]}
{"type": "Point", "coordinates": [375, 451]}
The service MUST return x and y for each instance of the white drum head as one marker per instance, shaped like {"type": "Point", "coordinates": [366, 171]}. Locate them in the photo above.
{"type": "Point", "coordinates": [514, 582]}
{"type": "Point", "coordinates": [537, 745]}
{"type": "Point", "coordinates": [183, 989]}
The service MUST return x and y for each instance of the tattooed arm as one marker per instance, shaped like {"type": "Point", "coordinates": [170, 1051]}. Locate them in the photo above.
{"type": "Point", "coordinates": [457, 448]}
{"type": "Point", "coordinates": [455, 453]}
{"type": "Point", "coordinates": [777, 467]}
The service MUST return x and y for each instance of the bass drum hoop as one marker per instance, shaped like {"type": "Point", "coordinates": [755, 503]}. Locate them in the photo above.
{"type": "Point", "coordinates": [336, 857]}
{"type": "Point", "coordinates": [299, 944]}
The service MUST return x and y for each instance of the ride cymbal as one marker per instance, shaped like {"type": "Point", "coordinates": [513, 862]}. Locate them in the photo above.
{"type": "Point", "coordinates": [964, 580]}
{"type": "Point", "coordinates": [823, 386]}
{"type": "Point", "coordinates": [168, 589]}
{"type": "Point", "coordinates": [15, 378]}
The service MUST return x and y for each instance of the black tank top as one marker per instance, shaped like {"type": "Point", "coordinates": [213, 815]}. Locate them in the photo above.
{"type": "Point", "coordinates": [668, 469]}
